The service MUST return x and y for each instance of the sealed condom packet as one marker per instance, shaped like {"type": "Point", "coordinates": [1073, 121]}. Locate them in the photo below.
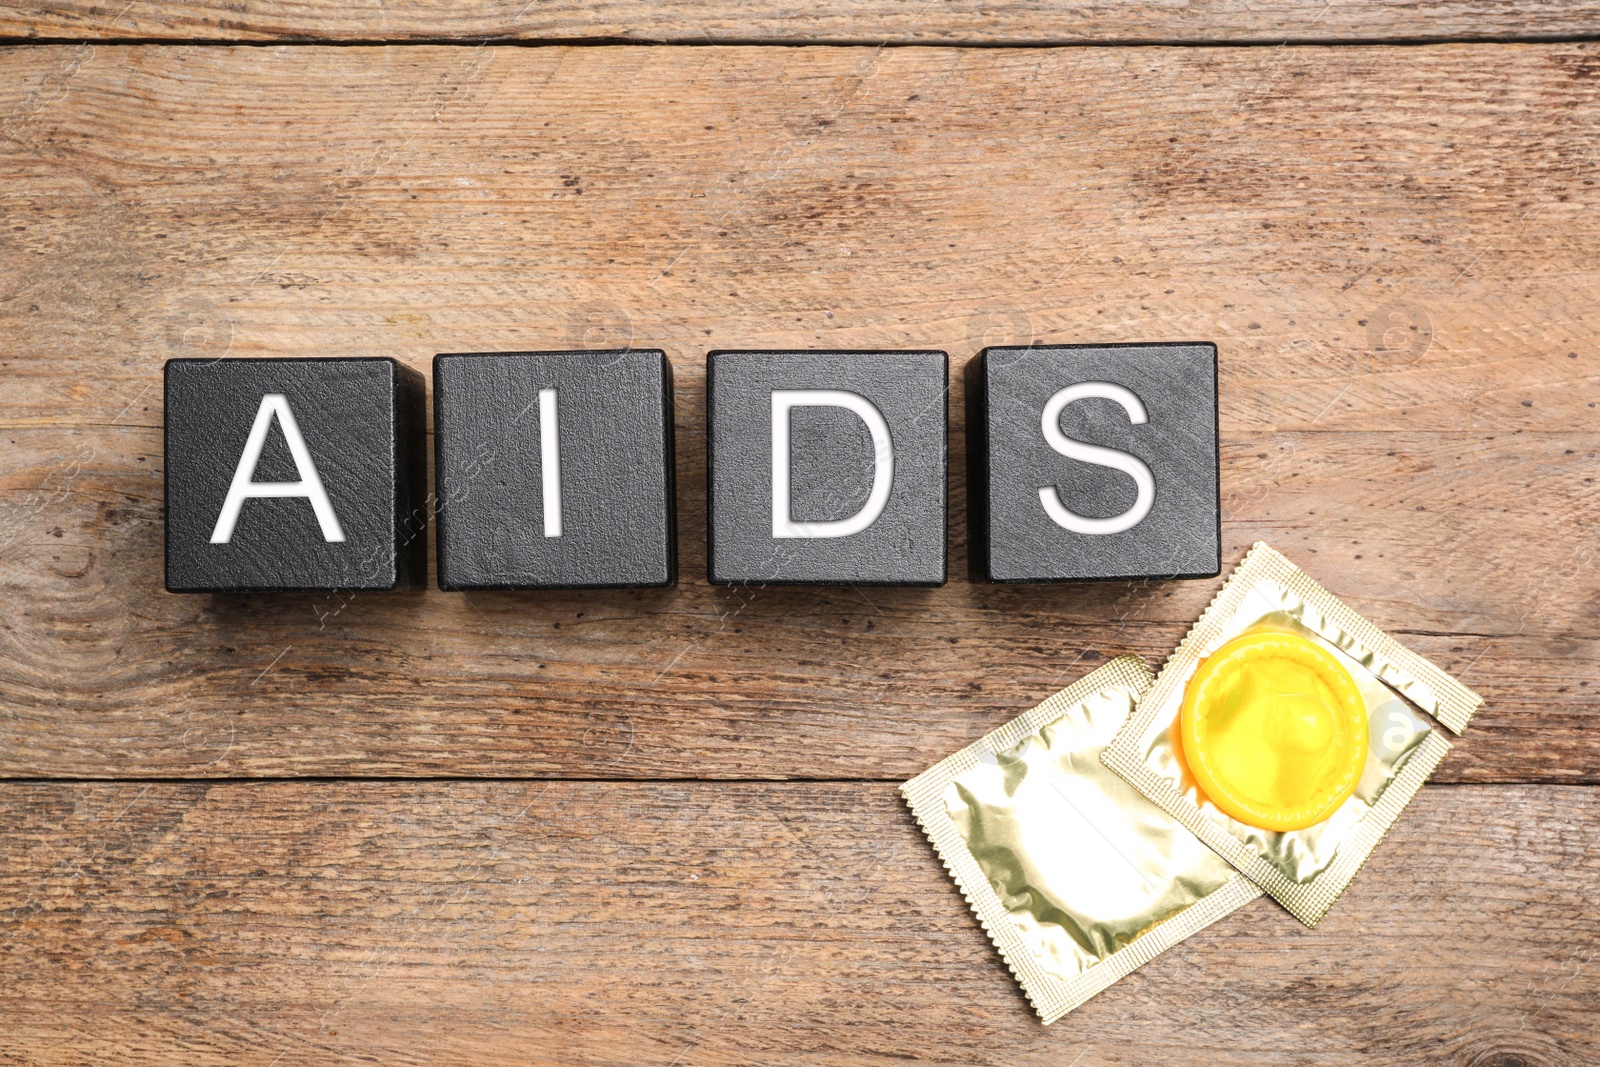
{"type": "Point", "coordinates": [1077, 879]}
{"type": "Point", "coordinates": [1306, 869]}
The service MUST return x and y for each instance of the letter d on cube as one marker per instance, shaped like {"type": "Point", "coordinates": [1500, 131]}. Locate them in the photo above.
{"type": "Point", "coordinates": [827, 467]}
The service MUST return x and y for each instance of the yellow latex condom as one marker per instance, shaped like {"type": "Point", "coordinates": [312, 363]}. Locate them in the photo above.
{"type": "Point", "coordinates": [1274, 730]}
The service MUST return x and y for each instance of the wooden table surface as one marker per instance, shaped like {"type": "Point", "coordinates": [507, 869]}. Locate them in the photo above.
{"type": "Point", "coordinates": [660, 826]}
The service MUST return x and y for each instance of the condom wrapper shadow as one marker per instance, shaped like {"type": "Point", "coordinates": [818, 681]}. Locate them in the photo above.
{"type": "Point", "coordinates": [1076, 878]}
{"type": "Point", "coordinates": [1305, 870]}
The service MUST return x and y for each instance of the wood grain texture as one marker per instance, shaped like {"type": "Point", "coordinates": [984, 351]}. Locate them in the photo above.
{"type": "Point", "coordinates": [658, 923]}
{"type": "Point", "coordinates": [1393, 248]}
{"type": "Point", "coordinates": [872, 22]}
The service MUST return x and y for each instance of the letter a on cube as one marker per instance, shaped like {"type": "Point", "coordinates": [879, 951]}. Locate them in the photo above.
{"type": "Point", "coordinates": [827, 467]}
{"type": "Point", "coordinates": [294, 474]}
{"type": "Point", "coordinates": [1092, 462]}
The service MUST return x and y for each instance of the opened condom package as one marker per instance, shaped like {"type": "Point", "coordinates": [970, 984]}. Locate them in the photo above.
{"type": "Point", "coordinates": [1077, 879]}
{"type": "Point", "coordinates": [1284, 733]}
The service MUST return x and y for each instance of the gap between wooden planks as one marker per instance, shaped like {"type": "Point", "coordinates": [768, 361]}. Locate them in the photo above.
{"type": "Point", "coordinates": [780, 21]}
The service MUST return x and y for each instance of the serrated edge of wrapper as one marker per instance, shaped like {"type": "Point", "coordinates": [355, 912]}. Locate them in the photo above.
{"type": "Point", "coordinates": [1442, 696]}
{"type": "Point", "coordinates": [1051, 997]}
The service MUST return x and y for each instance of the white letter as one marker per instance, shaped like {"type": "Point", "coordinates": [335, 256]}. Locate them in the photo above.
{"type": "Point", "coordinates": [882, 462]}
{"type": "Point", "coordinates": [309, 485]}
{"type": "Point", "coordinates": [1132, 466]}
{"type": "Point", "coordinates": [550, 462]}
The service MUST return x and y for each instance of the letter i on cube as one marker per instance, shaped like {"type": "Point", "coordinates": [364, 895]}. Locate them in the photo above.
{"type": "Point", "coordinates": [554, 469]}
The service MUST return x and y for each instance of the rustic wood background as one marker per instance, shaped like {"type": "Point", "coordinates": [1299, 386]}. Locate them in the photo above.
{"type": "Point", "coordinates": [660, 827]}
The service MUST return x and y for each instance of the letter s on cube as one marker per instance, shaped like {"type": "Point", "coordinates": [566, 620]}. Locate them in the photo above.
{"type": "Point", "coordinates": [1093, 462]}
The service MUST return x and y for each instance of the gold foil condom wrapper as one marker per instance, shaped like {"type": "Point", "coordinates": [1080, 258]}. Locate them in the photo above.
{"type": "Point", "coordinates": [1077, 879]}
{"type": "Point", "coordinates": [1304, 870]}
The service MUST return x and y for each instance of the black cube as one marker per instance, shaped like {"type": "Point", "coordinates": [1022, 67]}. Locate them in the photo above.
{"type": "Point", "coordinates": [826, 467]}
{"type": "Point", "coordinates": [554, 470]}
{"type": "Point", "coordinates": [294, 474]}
{"type": "Point", "coordinates": [1090, 462]}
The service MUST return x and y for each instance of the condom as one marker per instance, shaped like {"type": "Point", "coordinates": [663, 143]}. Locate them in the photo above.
{"type": "Point", "coordinates": [1288, 733]}
{"type": "Point", "coordinates": [1076, 878]}
{"type": "Point", "coordinates": [1274, 730]}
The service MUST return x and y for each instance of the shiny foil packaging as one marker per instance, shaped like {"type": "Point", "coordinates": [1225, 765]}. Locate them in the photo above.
{"type": "Point", "coordinates": [1305, 870]}
{"type": "Point", "coordinates": [1076, 878]}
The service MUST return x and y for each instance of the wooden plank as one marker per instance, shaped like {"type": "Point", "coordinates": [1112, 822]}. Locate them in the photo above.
{"type": "Point", "coordinates": [101, 677]}
{"type": "Point", "coordinates": [873, 22]}
{"type": "Point", "coordinates": [1403, 299]}
{"type": "Point", "coordinates": [246, 201]}
{"type": "Point", "coordinates": [661, 923]}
